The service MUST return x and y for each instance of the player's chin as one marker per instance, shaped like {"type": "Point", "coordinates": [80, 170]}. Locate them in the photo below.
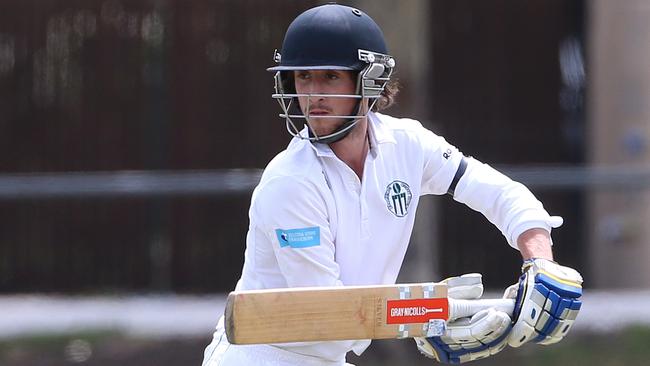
{"type": "Point", "coordinates": [325, 126]}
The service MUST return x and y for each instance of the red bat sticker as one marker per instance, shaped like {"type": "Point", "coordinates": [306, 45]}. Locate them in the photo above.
{"type": "Point", "coordinates": [416, 310]}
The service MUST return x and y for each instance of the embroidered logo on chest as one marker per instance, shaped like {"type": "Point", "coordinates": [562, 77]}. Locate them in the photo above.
{"type": "Point", "coordinates": [398, 198]}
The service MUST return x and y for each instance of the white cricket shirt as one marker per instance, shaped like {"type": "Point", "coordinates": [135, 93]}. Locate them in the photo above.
{"type": "Point", "coordinates": [314, 223]}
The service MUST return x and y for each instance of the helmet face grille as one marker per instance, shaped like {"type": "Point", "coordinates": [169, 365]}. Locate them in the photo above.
{"type": "Point", "coordinates": [371, 81]}
{"type": "Point", "coordinates": [331, 37]}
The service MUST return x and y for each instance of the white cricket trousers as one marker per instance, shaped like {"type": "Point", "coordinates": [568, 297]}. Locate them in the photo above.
{"type": "Point", "coordinates": [221, 353]}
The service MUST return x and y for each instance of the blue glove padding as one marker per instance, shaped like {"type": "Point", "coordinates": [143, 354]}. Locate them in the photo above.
{"type": "Point", "coordinates": [547, 302]}
{"type": "Point", "coordinates": [485, 334]}
{"type": "Point", "coordinates": [471, 338]}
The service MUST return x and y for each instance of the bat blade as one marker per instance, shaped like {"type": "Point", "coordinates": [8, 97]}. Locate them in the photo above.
{"type": "Point", "coordinates": [342, 313]}
{"type": "Point", "coordinates": [331, 313]}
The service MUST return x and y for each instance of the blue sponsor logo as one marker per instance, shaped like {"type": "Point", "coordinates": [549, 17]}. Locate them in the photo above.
{"type": "Point", "coordinates": [299, 238]}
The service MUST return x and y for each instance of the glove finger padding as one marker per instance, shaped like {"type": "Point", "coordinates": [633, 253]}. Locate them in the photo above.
{"type": "Point", "coordinates": [547, 302]}
{"type": "Point", "coordinates": [468, 339]}
{"type": "Point", "coordinates": [468, 286]}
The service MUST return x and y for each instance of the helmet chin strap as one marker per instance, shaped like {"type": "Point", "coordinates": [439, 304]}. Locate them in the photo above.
{"type": "Point", "coordinates": [342, 131]}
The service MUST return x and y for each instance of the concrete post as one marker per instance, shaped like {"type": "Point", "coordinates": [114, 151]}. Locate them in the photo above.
{"type": "Point", "coordinates": [619, 129]}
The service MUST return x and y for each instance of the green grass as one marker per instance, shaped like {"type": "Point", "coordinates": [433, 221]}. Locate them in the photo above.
{"type": "Point", "coordinates": [49, 346]}
{"type": "Point", "coordinates": [106, 348]}
{"type": "Point", "coordinates": [55, 340]}
{"type": "Point", "coordinates": [630, 347]}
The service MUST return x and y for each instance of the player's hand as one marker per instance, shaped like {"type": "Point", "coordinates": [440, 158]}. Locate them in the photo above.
{"type": "Point", "coordinates": [468, 339]}
{"type": "Point", "coordinates": [547, 302]}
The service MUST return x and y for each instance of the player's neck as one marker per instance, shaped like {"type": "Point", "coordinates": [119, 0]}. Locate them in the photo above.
{"type": "Point", "coordinates": [353, 149]}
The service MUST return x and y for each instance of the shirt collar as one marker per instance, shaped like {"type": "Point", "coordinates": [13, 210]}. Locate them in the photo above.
{"type": "Point", "coordinates": [319, 148]}
{"type": "Point", "coordinates": [377, 131]}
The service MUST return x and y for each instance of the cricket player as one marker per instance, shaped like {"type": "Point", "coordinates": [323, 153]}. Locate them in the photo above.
{"type": "Point", "coordinates": [337, 207]}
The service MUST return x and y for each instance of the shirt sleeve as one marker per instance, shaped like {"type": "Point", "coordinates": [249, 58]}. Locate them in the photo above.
{"type": "Point", "coordinates": [293, 215]}
{"type": "Point", "coordinates": [507, 204]}
{"type": "Point", "coordinates": [441, 161]}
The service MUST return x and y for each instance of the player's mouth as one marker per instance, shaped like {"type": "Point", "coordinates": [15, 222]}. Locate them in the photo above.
{"type": "Point", "coordinates": [318, 112]}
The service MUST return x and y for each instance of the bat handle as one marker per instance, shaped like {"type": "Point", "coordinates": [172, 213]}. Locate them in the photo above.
{"type": "Point", "coordinates": [463, 308]}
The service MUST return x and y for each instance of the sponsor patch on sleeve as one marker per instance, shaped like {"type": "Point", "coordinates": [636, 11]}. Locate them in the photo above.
{"type": "Point", "coordinates": [299, 238]}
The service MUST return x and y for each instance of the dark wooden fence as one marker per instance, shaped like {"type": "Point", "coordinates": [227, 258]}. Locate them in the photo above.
{"type": "Point", "coordinates": [500, 94]}
{"type": "Point", "coordinates": [134, 85]}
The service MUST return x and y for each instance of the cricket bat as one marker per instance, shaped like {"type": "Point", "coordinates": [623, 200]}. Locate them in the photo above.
{"type": "Point", "coordinates": [346, 313]}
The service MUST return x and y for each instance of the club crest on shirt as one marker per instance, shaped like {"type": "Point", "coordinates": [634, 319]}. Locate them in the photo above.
{"type": "Point", "coordinates": [398, 198]}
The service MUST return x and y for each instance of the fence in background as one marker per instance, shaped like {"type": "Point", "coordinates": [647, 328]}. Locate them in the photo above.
{"type": "Point", "coordinates": [166, 208]}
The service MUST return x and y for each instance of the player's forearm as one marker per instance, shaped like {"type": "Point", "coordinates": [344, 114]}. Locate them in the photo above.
{"type": "Point", "coordinates": [535, 243]}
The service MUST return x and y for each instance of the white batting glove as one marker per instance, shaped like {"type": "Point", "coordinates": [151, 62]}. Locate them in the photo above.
{"type": "Point", "coordinates": [468, 339]}
{"type": "Point", "coordinates": [547, 302]}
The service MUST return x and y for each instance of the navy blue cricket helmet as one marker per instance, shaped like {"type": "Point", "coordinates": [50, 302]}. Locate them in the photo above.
{"type": "Point", "coordinates": [332, 37]}
{"type": "Point", "coordinates": [329, 37]}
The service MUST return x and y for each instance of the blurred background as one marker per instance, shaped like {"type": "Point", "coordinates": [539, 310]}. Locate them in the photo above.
{"type": "Point", "coordinates": [133, 132]}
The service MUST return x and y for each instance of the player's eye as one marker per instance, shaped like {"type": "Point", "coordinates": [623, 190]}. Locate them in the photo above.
{"type": "Point", "coordinates": [303, 75]}
{"type": "Point", "coordinates": [332, 76]}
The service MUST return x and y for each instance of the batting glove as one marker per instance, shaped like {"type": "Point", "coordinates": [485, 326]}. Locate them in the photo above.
{"type": "Point", "coordinates": [468, 339]}
{"type": "Point", "coordinates": [547, 302]}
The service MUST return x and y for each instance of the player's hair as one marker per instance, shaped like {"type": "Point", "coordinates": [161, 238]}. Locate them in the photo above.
{"type": "Point", "coordinates": [388, 96]}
